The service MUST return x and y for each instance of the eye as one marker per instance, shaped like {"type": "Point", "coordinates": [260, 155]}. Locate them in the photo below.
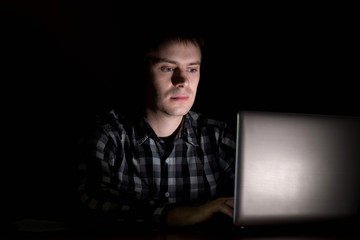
{"type": "Point", "coordinates": [192, 70]}
{"type": "Point", "coordinates": [167, 69]}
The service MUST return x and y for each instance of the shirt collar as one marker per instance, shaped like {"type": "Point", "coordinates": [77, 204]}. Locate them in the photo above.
{"type": "Point", "coordinates": [143, 130]}
{"type": "Point", "coordinates": [189, 130]}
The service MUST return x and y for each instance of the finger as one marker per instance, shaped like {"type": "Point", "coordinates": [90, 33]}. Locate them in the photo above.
{"type": "Point", "coordinates": [230, 202]}
{"type": "Point", "coordinates": [227, 209]}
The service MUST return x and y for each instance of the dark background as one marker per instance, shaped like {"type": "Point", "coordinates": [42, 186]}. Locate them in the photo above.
{"type": "Point", "coordinates": [63, 61]}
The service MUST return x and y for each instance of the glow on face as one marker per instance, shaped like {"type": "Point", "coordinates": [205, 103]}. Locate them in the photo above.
{"type": "Point", "coordinates": [174, 75]}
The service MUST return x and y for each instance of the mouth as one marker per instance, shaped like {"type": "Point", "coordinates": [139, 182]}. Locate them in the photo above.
{"type": "Point", "coordinates": [180, 98]}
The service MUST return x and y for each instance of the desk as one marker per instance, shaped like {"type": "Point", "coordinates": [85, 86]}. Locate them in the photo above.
{"type": "Point", "coordinates": [175, 236]}
{"type": "Point", "coordinates": [58, 231]}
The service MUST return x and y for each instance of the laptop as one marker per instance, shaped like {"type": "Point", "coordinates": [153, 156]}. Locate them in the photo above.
{"type": "Point", "coordinates": [296, 168]}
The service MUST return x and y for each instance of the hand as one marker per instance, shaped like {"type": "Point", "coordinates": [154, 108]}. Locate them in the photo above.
{"type": "Point", "coordinates": [181, 216]}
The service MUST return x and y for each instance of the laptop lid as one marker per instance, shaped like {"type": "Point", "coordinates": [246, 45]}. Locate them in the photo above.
{"type": "Point", "coordinates": [296, 168]}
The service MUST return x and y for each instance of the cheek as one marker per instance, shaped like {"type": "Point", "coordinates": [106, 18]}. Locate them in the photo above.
{"type": "Point", "coordinates": [154, 82]}
{"type": "Point", "coordinates": [159, 88]}
{"type": "Point", "coordinates": [194, 85]}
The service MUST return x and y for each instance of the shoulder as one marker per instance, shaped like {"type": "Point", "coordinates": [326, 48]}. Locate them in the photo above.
{"type": "Point", "coordinates": [201, 121]}
{"type": "Point", "coordinates": [111, 121]}
{"type": "Point", "coordinates": [210, 130]}
{"type": "Point", "coordinates": [104, 119]}
{"type": "Point", "coordinates": [207, 126]}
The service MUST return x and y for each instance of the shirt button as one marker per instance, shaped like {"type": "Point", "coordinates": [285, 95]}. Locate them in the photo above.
{"type": "Point", "coordinates": [167, 161]}
{"type": "Point", "coordinates": [167, 194]}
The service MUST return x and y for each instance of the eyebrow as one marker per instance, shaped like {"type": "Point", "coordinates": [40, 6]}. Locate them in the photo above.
{"type": "Point", "coordinates": [157, 60]}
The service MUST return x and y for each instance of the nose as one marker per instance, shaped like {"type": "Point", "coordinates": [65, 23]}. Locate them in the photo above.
{"type": "Point", "coordinates": [179, 78]}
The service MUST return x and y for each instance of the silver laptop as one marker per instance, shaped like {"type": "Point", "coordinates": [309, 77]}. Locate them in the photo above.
{"type": "Point", "coordinates": [296, 168]}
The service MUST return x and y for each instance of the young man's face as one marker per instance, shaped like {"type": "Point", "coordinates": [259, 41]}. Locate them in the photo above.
{"type": "Point", "coordinates": [174, 74]}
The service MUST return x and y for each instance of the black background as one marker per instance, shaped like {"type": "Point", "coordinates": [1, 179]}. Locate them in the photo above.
{"type": "Point", "coordinates": [62, 61]}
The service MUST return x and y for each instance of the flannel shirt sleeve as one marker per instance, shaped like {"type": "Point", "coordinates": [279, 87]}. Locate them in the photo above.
{"type": "Point", "coordinates": [226, 153]}
{"type": "Point", "coordinates": [102, 203]}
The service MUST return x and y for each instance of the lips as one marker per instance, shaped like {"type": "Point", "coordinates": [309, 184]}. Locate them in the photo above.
{"type": "Point", "coordinates": [180, 98]}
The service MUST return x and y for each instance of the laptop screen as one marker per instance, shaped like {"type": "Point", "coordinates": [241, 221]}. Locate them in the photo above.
{"type": "Point", "coordinates": [294, 168]}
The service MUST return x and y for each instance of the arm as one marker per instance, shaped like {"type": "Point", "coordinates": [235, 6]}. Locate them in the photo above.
{"type": "Point", "coordinates": [181, 216]}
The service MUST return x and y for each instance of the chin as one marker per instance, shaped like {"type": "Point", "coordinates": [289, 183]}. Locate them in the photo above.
{"type": "Point", "coordinates": [178, 112]}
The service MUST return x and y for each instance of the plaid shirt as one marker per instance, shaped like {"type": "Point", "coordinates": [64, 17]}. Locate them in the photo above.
{"type": "Point", "coordinates": [130, 176]}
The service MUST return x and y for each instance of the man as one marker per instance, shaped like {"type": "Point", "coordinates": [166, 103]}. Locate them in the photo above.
{"type": "Point", "coordinates": [167, 166]}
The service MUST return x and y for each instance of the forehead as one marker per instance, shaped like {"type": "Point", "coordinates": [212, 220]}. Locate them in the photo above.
{"type": "Point", "coordinates": [176, 50]}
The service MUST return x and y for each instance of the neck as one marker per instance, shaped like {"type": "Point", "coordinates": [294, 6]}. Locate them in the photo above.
{"type": "Point", "coordinates": [162, 124]}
